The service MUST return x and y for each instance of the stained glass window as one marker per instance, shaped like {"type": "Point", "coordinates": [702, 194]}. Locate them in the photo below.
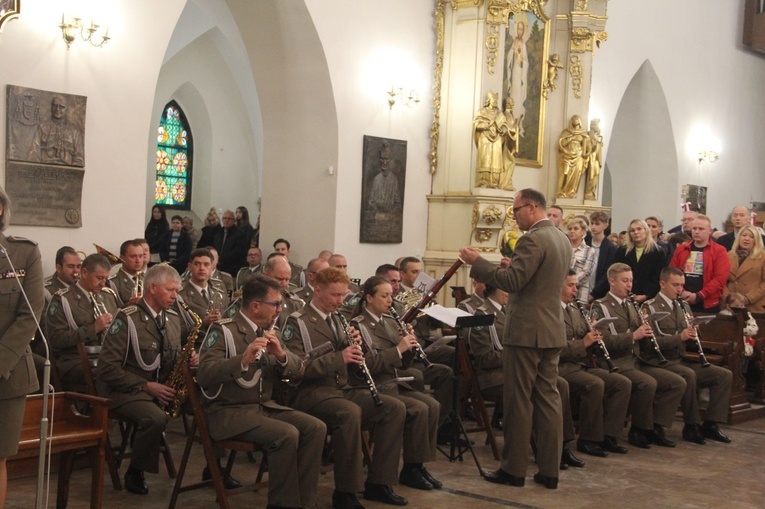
{"type": "Point", "coordinates": [175, 148]}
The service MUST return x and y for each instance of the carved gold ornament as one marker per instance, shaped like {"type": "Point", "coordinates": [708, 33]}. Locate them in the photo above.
{"type": "Point", "coordinates": [576, 71]}
{"type": "Point", "coordinates": [491, 214]}
{"type": "Point", "coordinates": [437, 74]}
{"type": "Point", "coordinates": [459, 4]}
{"type": "Point", "coordinates": [476, 214]}
{"type": "Point", "coordinates": [483, 235]}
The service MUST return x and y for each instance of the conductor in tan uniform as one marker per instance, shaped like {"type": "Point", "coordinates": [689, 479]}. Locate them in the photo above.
{"type": "Point", "coordinates": [17, 328]}
{"type": "Point", "coordinates": [533, 339]}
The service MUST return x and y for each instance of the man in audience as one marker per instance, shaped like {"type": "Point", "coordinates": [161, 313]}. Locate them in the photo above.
{"type": "Point", "coordinates": [231, 245]}
{"type": "Point", "coordinates": [254, 267]}
{"type": "Point", "coordinates": [740, 216]}
{"type": "Point", "coordinates": [314, 266]}
{"type": "Point", "coordinates": [283, 246]}
{"type": "Point", "coordinates": [673, 333]}
{"type": "Point", "coordinates": [124, 281]}
{"type": "Point", "coordinates": [685, 226]}
{"type": "Point", "coordinates": [605, 252]}
{"type": "Point", "coordinates": [68, 265]}
{"type": "Point", "coordinates": [555, 214]}
{"type": "Point", "coordinates": [706, 267]}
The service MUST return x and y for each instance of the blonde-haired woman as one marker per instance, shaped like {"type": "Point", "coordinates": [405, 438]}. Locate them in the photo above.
{"type": "Point", "coordinates": [210, 229]}
{"type": "Point", "coordinates": [747, 269]}
{"type": "Point", "coordinates": [646, 259]}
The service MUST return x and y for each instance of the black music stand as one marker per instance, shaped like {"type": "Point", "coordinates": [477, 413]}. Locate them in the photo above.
{"type": "Point", "coordinates": [456, 451]}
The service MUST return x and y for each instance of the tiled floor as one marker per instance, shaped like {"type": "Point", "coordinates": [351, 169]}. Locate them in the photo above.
{"type": "Point", "coordinates": [713, 475]}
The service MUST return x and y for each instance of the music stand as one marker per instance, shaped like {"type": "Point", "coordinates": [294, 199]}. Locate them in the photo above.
{"type": "Point", "coordinates": [458, 430]}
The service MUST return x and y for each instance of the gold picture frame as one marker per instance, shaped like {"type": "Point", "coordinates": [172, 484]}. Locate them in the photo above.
{"type": "Point", "coordinates": [9, 9]}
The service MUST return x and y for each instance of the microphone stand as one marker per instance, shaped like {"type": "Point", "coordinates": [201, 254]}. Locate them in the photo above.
{"type": "Point", "coordinates": [46, 393]}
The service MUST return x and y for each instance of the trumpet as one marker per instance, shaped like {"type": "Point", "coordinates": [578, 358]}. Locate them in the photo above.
{"type": "Point", "coordinates": [363, 366]}
{"type": "Point", "coordinates": [137, 291]}
{"type": "Point", "coordinates": [601, 344]}
{"type": "Point", "coordinates": [644, 320]}
{"type": "Point", "coordinates": [99, 309]}
{"type": "Point", "coordinates": [420, 353]}
{"type": "Point", "coordinates": [688, 322]}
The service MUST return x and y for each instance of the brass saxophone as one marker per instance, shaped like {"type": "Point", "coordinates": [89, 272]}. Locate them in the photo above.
{"type": "Point", "coordinates": [175, 380]}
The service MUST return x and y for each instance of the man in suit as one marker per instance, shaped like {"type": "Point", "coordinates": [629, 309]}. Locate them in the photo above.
{"type": "Point", "coordinates": [139, 353]}
{"type": "Point", "coordinates": [740, 216]}
{"type": "Point", "coordinates": [70, 318]}
{"type": "Point", "coordinates": [532, 340]}
{"type": "Point", "coordinates": [231, 245]}
{"type": "Point", "coordinates": [331, 359]}
{"type": "Point", "coordinates": [654, 398]}
{"type": "Point", "coordinates": [242, 378]}
{"type": "Point", "coordinates": [123, 282]}
{"type": "Point", "coordinates": [674, 333]}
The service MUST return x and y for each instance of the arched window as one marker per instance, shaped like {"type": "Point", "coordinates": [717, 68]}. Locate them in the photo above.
{"type": "Point", "coordinates": [175, 149]}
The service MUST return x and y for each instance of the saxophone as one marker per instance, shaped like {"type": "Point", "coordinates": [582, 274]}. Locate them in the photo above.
{"type": "Point", "coordinates": [175, 380]}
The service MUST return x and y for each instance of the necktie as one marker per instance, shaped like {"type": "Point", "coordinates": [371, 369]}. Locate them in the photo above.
{"type": "Point", "coordinates": [204, 295]}
{"type": "Point", "coordinates": [332, 326]}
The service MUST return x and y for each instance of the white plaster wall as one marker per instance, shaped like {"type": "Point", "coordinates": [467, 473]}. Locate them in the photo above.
{"type": "Point", "coordinates": [119, 81]}
{"type": "Point", "coordinates": [711, 83]}
{"type": "Point", "coordinates": [369, 46]}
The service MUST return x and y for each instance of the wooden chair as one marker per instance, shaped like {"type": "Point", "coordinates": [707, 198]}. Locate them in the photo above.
{"type": "Point", "coordinates": [200, 425]}
{"type": "Point", "coordinates": [483, 422]}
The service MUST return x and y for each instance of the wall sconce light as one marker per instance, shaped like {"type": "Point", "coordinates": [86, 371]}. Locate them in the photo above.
{"type": "Point", "coordinates": [407, 100]}
{"type": "Point", "coordinates": [709, 156]}
{"type": "Point", "coordinates": [69, 31]}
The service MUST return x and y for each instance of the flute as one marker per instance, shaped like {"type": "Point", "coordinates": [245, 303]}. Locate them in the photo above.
{"type": "Point", "coordinates": [702, 357]}
{"type": "Point", "coordinates": [363, 366]}
{"type": "Point", "coordinates": [644, 320]}
{"type": "Point", "coordinates": [259, 353]}
{"type": "Point", "coordinates": [402, 328]}
{"type": "Point", "coordinates": [601, 344]}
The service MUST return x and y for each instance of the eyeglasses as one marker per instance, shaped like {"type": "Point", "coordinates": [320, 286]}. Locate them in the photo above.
{"type": "Point", "coordinates": [276, 303]}
{"type": "Point", "coordinates": [516, 209]}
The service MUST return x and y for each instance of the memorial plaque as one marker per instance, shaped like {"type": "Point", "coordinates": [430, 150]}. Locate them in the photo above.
{"type": "Point", "coordinates": [382, 190]}
{"type": "Point", "coordinates": [44, 195]}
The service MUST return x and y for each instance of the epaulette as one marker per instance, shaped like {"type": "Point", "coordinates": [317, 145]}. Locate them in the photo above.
{"type": "Point", "coordinates": [358, 318]}
{"type": "Point", "coordinates": [171, 312]}
{"type": "Point", "coordinates": [63, 291]}
{"type": "Point", "coordinates": [48, 281]}
{"type": "Point", "coordinates": [130, 310]}
{"type": "Point", "coordinates": [13, 238]}
{"type": "Point", "coordinates": [297, 314]}
{"type": "Point", "coordinates": [114, 276]}
{"type": "Point", "coordinates": [649, 302]}
{"type": "Point", "coordinates": [216, 279]}
{"type": "Point", "coordinates": [225, 273]}
{"type": "Point", "coordinates": [109, 290]}
{"type": "Point", "coordinates": [223, 321]}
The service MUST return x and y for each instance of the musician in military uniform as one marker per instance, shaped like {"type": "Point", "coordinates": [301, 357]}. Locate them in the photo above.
{"type": "Point", "coordinates": [388, 349]}
{"type": "Point", "coordinates": [240, 360]}
{"type": "Point", "coordinates": [306, 293]}
{"type": "Point", "coordinates": [80, 314]}
{"type": "Point", "coordinates": [124, 281]}
{"type": "Point", "coordinates": [254, 267]}
{"type": "Point", "coordinates": [20, 265]}
{"type": "Point", "coordinates": [221, 280]}
{"type": "Point", "coordinates": [278, 268]}
{"type": "Point", "coordinates": [297, 277]}
{"type": "Point", "coordinates": [475, 300]}
{"type": "Point", "coordinates": [654, 397]}
{"type": "Point", "coordinates": [139, 353]}
{"type": "Point", "coordinates": [601, 421]}
{"type": "Point", "coordinates": [206, 300]}
{"type": "Point", "coordinates": [68, 265]}
{"type": "Point", "coordinates": [316, 334]}
{"type": "Point", "coordinates": [673, 334]}
{"type": "Point", "coordinates": [339, 261]}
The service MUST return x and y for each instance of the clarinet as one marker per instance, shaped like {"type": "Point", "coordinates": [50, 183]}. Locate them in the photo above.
{"type": "Point", "coordinates": [702, 357]}
{"type": "Point", "coordinates": [601, 345]}
{"type": "Point", "coordinates": [644, 320]}
{"type": "Point", "coordinates": [363, 366]}
{"type": "Point", "coordinates": [259, 353]}
{"type": "Point", "coordinates": [402, 328]}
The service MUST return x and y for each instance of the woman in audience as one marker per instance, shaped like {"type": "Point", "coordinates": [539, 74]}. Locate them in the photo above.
{"type": "Point", "coordinates": [176, 247]}
{"type": "Point", "coordinates": [645, 258]}
{"type": "Point", "coordinates": [156, 230]}
{"type": "Point", "coordinates": [243, 223]}
{"type": "Point", "coordinates": [584, 261]}
{"type": "Point", "coordinates": [747, 269]}
{"type": "Point", "coordinates": [210, 229]}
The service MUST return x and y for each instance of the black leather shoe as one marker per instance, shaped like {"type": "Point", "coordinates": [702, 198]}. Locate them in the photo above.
{"type": "Point", "coordinates": [551, 483]}
{"type": "Point", "coordinates": [228, 482]}
{"type": "Point", "coordinates": [658, 437]}
{"type": "Point", "coordinates": [135, 482]}
{"type": "Point", "coordinates": [692, 433]}
{"type": "Point", "coordinates": [591, 448]}
{"type": "Point", "coordinates": [711, 431]}
{"type": "Point", "coordinates": [432, 480]}
{"type": "Point", "coordinates": [562, 466]}
{"type": "Point", "coordinates": [639, 438]}
{"type": "Point", "coordinates": [499, 476]}
{"type": "Point", "coordinates": [496, 419]}
{"type": "Point", "coordinates": [383, 493]}
{"type": "Point", "coordinates": [611, 445]}
{"type": "Point", "coordinates": [412, 477]}
{"type": "Point", "coordinates": [342, 500]}
{"type": "Point", "coordinates": [570, 459]}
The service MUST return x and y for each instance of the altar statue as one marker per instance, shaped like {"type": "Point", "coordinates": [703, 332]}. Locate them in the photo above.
{"type": "Point", "coordinates": [488, 124]}
{"type": "Point", "coordinates": [510, 139]}
{"type": "Point", "coordinates": [594, 161]}
{"type": "Point", "coordinates": [573, 155]}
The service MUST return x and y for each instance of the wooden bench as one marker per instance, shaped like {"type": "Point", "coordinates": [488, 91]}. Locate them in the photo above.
{"type": "Point", "coordinates": [69, 432]}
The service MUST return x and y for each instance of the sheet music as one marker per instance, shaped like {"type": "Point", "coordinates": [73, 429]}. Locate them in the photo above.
{"type": "Point", "coordinates": [446, 315]}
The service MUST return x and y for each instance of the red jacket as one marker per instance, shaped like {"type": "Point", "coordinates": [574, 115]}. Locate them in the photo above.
{"type": "Point", "coordinates": [716, 270]}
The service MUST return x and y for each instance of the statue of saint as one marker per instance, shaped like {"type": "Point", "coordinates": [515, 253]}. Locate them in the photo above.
{"type": "Point", "coordinates": [487, 135]}
{"type": "Point", "coordinates": [595, 161]}
{"type": "Point", "coordinates": [573, 154]}
{"type": "Point", "coordinates": [509, 133]}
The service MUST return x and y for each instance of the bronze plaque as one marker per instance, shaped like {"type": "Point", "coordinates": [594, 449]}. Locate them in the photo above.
{"type": "Point", "coordinates": [44, 195]}
{"type": "Point", "coordinates": [382, 190]}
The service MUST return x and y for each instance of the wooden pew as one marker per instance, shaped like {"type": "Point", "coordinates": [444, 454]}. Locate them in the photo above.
{"type": "Point", "coordinates": [70, 432]}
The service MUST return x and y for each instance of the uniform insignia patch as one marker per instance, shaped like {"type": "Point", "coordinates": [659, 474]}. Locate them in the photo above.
{"type": "Point", "coordinates": [480, 327]}
{"type": "Point", "coordinates": [53, 308]}
{"type": "Point", "coordinates": [116, 326]}
{"type": "Point", "coordinates": [354, 300]}
{"type": "Point", "coordinates": [211, 339]}
{"type": "Point", "coordinates": [289, 332]}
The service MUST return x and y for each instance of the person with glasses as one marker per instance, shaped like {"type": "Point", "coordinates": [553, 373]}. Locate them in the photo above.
{"type": "Point", "coordinates": [240, 361]}
{"type": "Point", "coordinates": [253, 268]}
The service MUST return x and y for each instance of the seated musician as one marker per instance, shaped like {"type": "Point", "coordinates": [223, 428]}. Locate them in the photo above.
{"type": "Point", "coordinates": [254, 267]}
{"type": "Point", "coordinates": [486, 350]}
{"type": "Point", "coordinates": [140, 351]}
{"type": "Point", "coordinates": [601, 421]}
{"type": "Point", "coordinates": [470, 304]}
{"type": "Point", "coordinates": [674, 333]}
{"type": "Point", "coordinates": [80, 314]}
{"type": "Point", "coordinates": [223, 281]}
{"type": "Point", "coordinates": [68, 265]}
{"type": "Point", "coordinates": [278, 268]}
{"type": "Point", "coordinates": [314, 266]}
{"type": "Point", "coordinates": [240, 359]}
{"type": "Point", "coordinates": [387, 349]}
{"type": "Point", "coordinates": [334, 390]}
{"type": "Point", "coordinates": [125, 280]}
{"type": "Point", "coordinates": [206, 300]}
{"type": "Point", "coordinates": [654, 397]}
